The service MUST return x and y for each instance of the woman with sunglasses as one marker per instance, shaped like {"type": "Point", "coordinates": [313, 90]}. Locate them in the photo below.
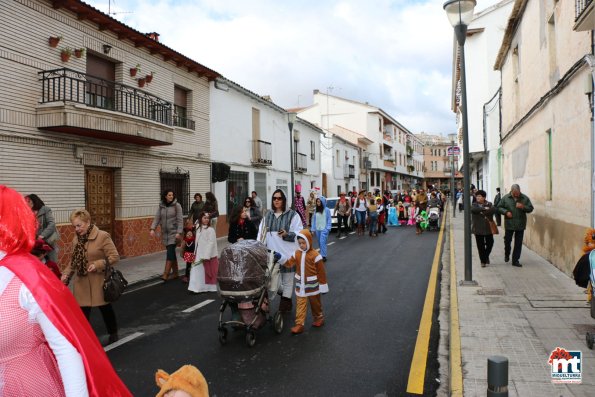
{"type": "Point", "coordinates": [253, 214]}
{"type": "Point", "coordinates": [278, 231]}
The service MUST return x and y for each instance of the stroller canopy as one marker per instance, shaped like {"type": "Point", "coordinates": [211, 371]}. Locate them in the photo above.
{"type": "Point", "coordinates": [242, 269]}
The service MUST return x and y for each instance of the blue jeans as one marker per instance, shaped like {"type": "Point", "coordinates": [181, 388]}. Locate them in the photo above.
{"type": "Point", "coordinates": [360, 217]}
{"type": "Point", "coordinates": [373, 222]}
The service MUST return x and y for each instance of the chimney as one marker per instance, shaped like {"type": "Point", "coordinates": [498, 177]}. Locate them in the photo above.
{"type": "Point", "coordinates": [316, 91]}
{"type": "Point", "coordinates": [153, 36]}
{"type": "Point", "coordinates": [267, 98]}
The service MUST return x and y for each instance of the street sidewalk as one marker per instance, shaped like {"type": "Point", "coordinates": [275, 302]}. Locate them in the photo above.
{"type": "Point", "coordinates": [520, 313]}
{"type": "Point", "coordinates": [149, 267]}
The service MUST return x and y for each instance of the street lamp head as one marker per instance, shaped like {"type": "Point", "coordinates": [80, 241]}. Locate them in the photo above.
{"type": "Point", "coordinates": [452, 137]}
{"type": "Point", "coordinates": [459, 12]}
{"type": "Point", "coordinates": [291, 117]}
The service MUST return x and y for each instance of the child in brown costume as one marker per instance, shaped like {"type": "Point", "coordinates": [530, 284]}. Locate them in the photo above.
{"type": "Point", "coordinates": [310, 282]}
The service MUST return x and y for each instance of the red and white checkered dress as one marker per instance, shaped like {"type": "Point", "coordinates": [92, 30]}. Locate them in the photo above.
{"type": "Point", "coordinates": [27, 365]}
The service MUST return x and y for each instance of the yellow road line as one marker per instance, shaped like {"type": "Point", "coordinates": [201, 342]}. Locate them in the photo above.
{"type": "Point", "coordinates": [456, 369]}
{"type": "Point", "coordinates": [417, 372]}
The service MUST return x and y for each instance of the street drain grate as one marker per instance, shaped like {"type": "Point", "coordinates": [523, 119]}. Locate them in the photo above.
{"type": "Point", "coordinates": [493, 291]}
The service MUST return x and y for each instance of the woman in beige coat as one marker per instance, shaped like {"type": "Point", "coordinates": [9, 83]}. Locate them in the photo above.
{"type": "Point", "coordinates": [93, 249]}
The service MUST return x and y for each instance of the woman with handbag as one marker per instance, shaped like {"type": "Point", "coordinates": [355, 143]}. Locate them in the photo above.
{"type": "Point", "coordinates": [171, 218]}
{"type": "Point", "coordinates": [46, 226]}
{"type": "Point", "coordinates": [482, 212]}
{"type": "Point", "coordinates": [94, 251]}
{"type": "Point", "coordinates": [47, 346]}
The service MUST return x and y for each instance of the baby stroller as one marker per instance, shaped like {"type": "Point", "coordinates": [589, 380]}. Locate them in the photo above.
{"type": "Point", "coordinates": [247, 271]}
{"type": "Point", "coordinates": [434, 218]}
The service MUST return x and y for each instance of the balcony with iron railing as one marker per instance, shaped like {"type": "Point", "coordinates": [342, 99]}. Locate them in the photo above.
{"type": "Point", "coordinates": [301, 164]}
{"type": "Point", "coordinates": [262, 153]}
{"type": "Point", "coordinates": [584, 16]}
{"type": "Point", "coordinates": [81, 104]}
{"type": "Point", "coordinates": [348, 171]}
{"type": "Point", "coordinates": [184, 122]}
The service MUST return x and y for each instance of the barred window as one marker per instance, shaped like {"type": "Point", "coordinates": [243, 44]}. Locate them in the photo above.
{"type": "Point", "coordinates": [179, 182]}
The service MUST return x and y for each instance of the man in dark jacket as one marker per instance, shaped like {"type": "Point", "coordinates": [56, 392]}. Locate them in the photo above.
{"type": "Point", "coordinates": [514, 206]}
{"type": "Point", "coordinates": [497, 199]}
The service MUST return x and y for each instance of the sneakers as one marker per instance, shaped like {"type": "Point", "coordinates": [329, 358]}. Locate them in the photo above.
{"type": "Point", "coordinates": [319, 322]}
{"type": "Point", "coordinates": [297, 329]}
{"type": "Point", "coordinates": [517, 264]}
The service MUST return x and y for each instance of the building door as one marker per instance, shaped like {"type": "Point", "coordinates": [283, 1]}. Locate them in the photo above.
{"type": "Point", "coordinates": [99, 197]}
{"type": "Point", "coordinates": [237, 190]}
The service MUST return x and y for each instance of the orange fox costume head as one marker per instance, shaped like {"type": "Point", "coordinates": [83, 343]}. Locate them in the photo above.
{"type": "Point", "coordinates": [589, 241]}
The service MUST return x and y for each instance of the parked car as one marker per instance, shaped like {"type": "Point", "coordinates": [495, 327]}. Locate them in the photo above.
{"type": "Point", "coordinates": [330, 204]}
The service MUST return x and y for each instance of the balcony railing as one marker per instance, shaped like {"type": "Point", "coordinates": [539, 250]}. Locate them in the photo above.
{"type": "Point", "coordinates": [184, 123]}
{"type": "Point", "coordinates": [580, 7]}
{"type": "Point", "coordinates": [262, 153]}
{"type": "Point", "coordinates": [301, 164]}
{"type": "Point", "coordinates": [67, 85]}
{"type": "Point", "coordinates": [348, 171]}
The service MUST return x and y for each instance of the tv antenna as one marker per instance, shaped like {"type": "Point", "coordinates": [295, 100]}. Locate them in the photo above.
{"type": "Point", "coordinates": [109, 9]}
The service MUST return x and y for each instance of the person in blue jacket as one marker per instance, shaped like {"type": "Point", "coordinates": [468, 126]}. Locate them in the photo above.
{"type": "Point", "coordinates": [321, 224]}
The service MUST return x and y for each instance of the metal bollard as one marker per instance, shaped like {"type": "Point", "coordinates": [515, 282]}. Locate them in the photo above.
{"type": "Point", "coordinates": [497, 376]}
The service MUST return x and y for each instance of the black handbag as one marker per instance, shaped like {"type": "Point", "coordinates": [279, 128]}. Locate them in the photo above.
{"type": "Point", "coordinates": [114, 284]}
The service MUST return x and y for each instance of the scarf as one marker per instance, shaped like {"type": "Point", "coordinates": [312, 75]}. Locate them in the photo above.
{"type": "Point", "coordinates": [79, 257]}
{"type": "Point", "coordinates": [300, 208]}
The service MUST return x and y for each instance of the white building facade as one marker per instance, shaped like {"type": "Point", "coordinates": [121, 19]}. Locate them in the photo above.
{"type": "Point", "coordinates": [393, 157]}
{"type": "Point", "coordinates": [340, 162]}
{"type": "Point", "coordinates": [251, 135]}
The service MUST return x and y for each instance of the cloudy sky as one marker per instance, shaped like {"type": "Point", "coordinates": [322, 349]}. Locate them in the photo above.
{"type": "Point", "coordinates": [394, 54]}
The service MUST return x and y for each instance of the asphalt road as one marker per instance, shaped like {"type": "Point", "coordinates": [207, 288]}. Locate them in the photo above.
{"type": "Point", "coordinates": [377, 290]}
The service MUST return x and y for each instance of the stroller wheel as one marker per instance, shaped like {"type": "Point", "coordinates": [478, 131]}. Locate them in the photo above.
{"type": "Point", "coordinates": [250, 339]}
{"type": "Point", "coordinates": [278, 322]}
{"type": "Point", "coordinates": [590, 338]}
{"type": "Point", "coordinates": [223, 336]}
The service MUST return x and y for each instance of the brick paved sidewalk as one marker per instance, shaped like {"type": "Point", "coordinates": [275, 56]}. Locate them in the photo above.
{"type": "Point", "coordinates": [522, 314]}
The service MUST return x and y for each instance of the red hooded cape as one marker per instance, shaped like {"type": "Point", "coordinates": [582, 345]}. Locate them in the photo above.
{"type": "Point", "coordinates": [58, 304]}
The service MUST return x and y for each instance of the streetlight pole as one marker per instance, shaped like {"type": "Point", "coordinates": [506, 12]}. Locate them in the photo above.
{"type": "Point", "coordinates": [452, 174]}
{"type": "Point", "coordinates": [291, 117]}
{"type": "Point", "coordinates": [460, 14]}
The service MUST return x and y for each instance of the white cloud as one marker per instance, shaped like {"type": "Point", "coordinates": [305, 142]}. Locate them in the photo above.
{"type": "Point", "coordinates": [395, 54]}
